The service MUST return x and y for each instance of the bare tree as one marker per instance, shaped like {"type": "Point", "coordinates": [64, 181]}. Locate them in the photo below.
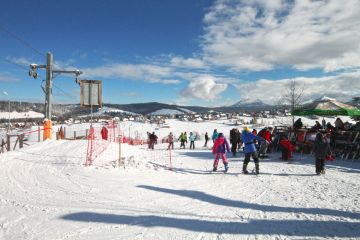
{"type": "Point", "coordinates": [293, 96]}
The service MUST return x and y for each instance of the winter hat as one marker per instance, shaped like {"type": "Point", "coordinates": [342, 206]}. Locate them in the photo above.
{"type": "Point", "coordinates": [220, 135]}
{"type": "Point", "coordinates": [247, 129]}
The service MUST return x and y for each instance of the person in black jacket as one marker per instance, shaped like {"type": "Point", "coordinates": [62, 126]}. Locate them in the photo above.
{"type": "Point", "coordinates": [321, 151]}
{"type": "Point", "coordinates": [234, 140]}
{"type": "Point", "coordinates": [298, 124]}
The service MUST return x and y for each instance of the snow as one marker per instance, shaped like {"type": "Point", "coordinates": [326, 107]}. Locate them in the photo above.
{"type": "Point", "coordinates": [18, 115]}
{"type": "Point", "coordinates": [105, 110]}
{"type": "Point", "coordinates": [46, 192]}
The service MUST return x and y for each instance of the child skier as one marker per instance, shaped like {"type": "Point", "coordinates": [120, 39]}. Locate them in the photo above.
{"type": "Point", "coordinates": [221, 146]}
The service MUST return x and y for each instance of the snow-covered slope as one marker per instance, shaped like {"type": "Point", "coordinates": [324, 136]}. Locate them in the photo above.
{"type": "Point", "coordinates": [47, 193]}
{"type": "Point", "coordinates": [17, 115]}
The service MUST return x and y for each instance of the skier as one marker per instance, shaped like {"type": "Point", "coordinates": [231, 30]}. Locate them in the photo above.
{"type": "Point", "coordinates": [182, 139]}
{"type": "Point", "coordinates": [321, 151]}
{"type": "Point", "coordinates": [206, 139]}
{"type": "Point", "coordinates": [220, 147]}
{"type": "Point", "coordinates": [192, 138]}
{"type": "Point", "coordinates": [171, 141]}
{"type": "Point", "coordinates": [250, 149]}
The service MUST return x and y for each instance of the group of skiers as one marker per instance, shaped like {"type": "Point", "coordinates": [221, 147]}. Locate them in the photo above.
{"type": "Point", "coordinates": [254, 145]}
{"type": "Point", "coordinates": [258, 144]}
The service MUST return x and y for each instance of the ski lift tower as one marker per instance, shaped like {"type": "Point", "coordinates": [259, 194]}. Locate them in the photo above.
{"type": "Point", "coordinates": [50, 74]}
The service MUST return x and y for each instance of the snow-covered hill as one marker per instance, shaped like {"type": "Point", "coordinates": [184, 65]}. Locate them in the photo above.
{"type": "Point", "coordinates": [21, 115]}
{"type": "Point", "coordinates": [47, 193]}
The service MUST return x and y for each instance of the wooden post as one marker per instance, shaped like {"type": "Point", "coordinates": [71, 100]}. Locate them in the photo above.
{"type": "Point", "coordinates": [21, 142]}
{"type": "Point", "coordinates": [74, 134]}
{"type": "Point", "coordinates": [8, 142]}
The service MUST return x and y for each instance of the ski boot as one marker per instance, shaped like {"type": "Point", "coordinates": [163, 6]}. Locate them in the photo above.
{"type": "Point", "coordinates": [257, 168]}
{"type": "Point", "coordinates": [226, 168]}
{"type": "Point", "coordinates": [244, 169]}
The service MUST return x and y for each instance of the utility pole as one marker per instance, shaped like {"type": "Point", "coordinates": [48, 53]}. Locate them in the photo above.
{"type": "Point", "coordinates": [50, 72]}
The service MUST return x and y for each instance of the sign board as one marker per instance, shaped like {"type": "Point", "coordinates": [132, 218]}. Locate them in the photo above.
{"type": "Point", "coordinates": [90, 93]}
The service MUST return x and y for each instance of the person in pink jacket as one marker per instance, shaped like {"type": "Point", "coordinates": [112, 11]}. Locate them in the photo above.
{"type": "Point", "coordinates": [221, 146]}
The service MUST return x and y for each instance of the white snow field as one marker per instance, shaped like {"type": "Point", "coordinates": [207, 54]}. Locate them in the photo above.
{"type": "Point", "coordinates": [46, 192]}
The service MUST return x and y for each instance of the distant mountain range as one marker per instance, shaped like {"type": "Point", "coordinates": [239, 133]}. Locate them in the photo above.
{"type": "Point", "coordinates": [248, 104]}
{"type": "Point", "coordinates": [151, 108]}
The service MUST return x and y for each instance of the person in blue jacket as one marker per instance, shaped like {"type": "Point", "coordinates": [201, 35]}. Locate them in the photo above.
{"type": "Point", "coordinates": [250, 150]}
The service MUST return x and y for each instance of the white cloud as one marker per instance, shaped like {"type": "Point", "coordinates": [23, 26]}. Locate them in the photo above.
{"type": "Point", "coordinates": [139, 72]}
{"type": "Point", "coordinates": [261, 35]}
{"type": "Point", "coordinates": [4, 77]}
{"type": "Point", "coordinates": [187, 62]}
{"type": "Point", "coordinates": [204, 87]}
{"type": "Point", "coordinates": [20, 61]}
{"type": "Point", "coordinates": [342, 87]}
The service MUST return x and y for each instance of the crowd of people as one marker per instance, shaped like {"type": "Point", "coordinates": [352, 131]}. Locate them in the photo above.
{"type": "Point", "coordinates": [257, 145]}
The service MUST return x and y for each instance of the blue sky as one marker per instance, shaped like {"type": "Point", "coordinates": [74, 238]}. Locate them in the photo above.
{"type": "Point", "coordinates": [207, 53]}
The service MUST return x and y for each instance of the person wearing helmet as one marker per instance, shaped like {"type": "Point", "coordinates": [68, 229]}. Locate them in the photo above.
{"type": "Point", "coordinates": [220, 147]}
{"type": "Point", "coordinates": [250, 150]}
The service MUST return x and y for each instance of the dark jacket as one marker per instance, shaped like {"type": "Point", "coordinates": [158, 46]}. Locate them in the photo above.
{"type": "Point", "coordinates": [321, 149]}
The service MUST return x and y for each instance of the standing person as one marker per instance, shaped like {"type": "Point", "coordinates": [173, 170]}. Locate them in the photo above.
{"type": "Point", "coordinates": [238, 136]}
{"type": "Point", "coordinates": [171, 141]}
{"type": "Point", "coordinates": [206, 139]}
{"type": "Point", "coordinates": [104, 133]}
{"type": "Point", "coordinates": [192, 138]}
{"type": "Point", "coordinates": [185, 136]}
{"type": "Point", "coordinates": [234, 140]}
{"type": "Point", "coordinates": [265, 133]}
{"type": "Point", "coordinates": [214, 135]}
{"type": "Point", "coordinates": [153, 139]}
{"type": "Point", "coordinates": [250, 149]}
{"type": "Point", "coordinates": [339, 124]}
{"type": "Point", "coordinates": [321, 151]}
{"type": "Point", "coordinates": [298, 124]}
{"type": "Point", "coordinates": [182, 139]}
{"type": "Point", "coordinates": [220, 147]}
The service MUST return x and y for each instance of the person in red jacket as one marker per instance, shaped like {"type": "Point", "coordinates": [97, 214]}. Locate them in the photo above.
{"type": "Point", "coordinates": [286, 148]}
{"type": "Point", "coordinates": [265, 133]}
{"type": "Point", "coordinates": [221, 146]}
{"type": "Point", "coordinates": [104, 133]}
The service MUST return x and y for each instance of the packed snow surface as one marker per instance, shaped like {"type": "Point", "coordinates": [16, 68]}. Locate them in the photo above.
{"type": "Point", "coordinates": [46, 192]}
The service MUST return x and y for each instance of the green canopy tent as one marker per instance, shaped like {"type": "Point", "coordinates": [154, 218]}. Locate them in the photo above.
{"type": "Point", "coordinates": [327, 107]}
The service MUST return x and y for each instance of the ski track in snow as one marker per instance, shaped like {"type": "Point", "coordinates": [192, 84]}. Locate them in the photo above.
{"type": "Point", "coordinates": [47, 193]}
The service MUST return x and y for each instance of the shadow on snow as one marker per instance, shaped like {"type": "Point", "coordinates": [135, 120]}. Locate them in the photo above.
{"type": "Point", "coordinates": [276, 227]}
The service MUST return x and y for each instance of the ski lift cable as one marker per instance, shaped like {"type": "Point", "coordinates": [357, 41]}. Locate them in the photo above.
{"type": "Point", "coordinates": [25, 43]}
